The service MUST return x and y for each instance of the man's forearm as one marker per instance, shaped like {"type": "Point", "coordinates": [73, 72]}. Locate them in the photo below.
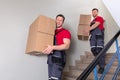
{"type": "Point", "coordinates": [94, 25]}
{"type": "Point", "coordinates": [61, 47]}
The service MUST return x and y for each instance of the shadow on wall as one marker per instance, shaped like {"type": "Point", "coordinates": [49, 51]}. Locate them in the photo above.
{"type": "Point", "coordinates": [72, 48]}
{"type": "Point", "coordinates": [72, 45]}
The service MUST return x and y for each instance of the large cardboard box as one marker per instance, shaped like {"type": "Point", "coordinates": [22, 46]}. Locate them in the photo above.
{"type": "Point", "coordinates": [81, 34]}
{"type": "Point", "coordinates": [41, 34]}
{"type": "Point", "coordinates": [85, 19]}
{"type": "Point", "coordinates": [38, 42]}
{"type": "Point", "coordinates": [83, 24]}
{"type": "Point", "coordinates": [44, 24]}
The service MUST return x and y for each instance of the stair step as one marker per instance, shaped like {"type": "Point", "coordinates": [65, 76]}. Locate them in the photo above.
{"type": "Point", "coordinates": [82, 57]}
{"type": "Point", "coordinates": [73, 68]}
{"type": "Point", "coordinates": [111, 71]}
{"type": "Point", "coordinates": [83, 67]}
{"type": "Point", "coordinates": [88, 53]}
{"type": "Point", "coordinates": [88, 61]}
{"type": "Point", "coordinates": [73, 73]}
{"type": "Point", "coordinates": [69, 78]}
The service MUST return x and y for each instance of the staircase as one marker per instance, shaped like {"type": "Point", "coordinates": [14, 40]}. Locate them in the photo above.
{"type": "Point", "coordinates": [85, 60]}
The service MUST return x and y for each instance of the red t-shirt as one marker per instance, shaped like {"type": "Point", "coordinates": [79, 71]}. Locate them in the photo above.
{"type": "Point", "coordinates": [101, 20]}
{"type": "Point", "coordinates": [61, 34]}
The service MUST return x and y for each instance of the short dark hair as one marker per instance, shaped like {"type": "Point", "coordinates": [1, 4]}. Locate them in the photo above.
{"type": "Point", "coordinates": [95, 9]}
{"type": "Point", "coordinates": [61, 15]}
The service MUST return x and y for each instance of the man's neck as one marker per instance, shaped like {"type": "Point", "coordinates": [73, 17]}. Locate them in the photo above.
{"type": "Point", "coordinates": [59, 27]}
{"type": "Point", "coordinates": [95, 16]}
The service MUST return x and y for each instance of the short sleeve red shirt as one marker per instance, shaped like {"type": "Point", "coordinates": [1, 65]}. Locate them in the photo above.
{"type": "Point", "coordinates": [101, 20]}
{"type": "Point", "coordinates": [61, 34]}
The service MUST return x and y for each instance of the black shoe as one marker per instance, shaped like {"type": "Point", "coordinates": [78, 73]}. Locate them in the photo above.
{"type": "Point", "coordinates": [101, 70]}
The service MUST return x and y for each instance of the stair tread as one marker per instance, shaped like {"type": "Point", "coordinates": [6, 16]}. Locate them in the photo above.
{"type": "Point", "coordinates": [69, 78]}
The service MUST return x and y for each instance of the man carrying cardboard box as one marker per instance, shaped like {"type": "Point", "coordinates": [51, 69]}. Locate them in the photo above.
{"type": "Point", "coordinates": [96, 30]}
{"type": "Point", "coordinates": [56, 53]}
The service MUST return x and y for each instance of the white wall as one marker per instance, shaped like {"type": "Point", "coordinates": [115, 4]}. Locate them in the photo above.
{"type": "Point", "coordinates": [15, 18]}
{"type": "Point", "coordinates": [112, 6]}
{"type": "Point", "coordinates": [114, 24]}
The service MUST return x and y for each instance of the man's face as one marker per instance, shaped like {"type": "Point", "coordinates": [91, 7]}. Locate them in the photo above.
{"type": "Point", "coordinates": [94, 13]}
{"type": "Point", "coordinates": [59, 21]}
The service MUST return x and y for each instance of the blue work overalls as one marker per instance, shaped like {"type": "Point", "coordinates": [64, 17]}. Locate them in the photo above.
{"type": "Point", "coordinates": [97, 44]}
{"type": "Point", "coordinates": [56, 63]}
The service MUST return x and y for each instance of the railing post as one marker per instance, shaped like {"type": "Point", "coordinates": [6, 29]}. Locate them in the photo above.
{"type": "Point", "coordinates": [118, 51]}
{"type": "Point", "coordinates": [116, 73]}
{"type": "Point", "coordinates": [95, 74]}
{"type": "Point", "coordinates": [108, 66]}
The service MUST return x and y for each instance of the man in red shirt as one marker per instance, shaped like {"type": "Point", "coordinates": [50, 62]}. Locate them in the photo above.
{"type": "Point", "coordinates": [96, 31]}
{"type": "Point", "coordinates": [56, 53]}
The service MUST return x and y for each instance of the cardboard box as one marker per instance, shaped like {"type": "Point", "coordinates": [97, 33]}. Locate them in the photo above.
{"type": "Point", "coordinates": [41, 34]}
{"type": "Point", "coordinates": [81, 34]}
{"type": "Point", "coordinates": [85, 19]}
{"type": "Point", "coordinates": [83, 24]}
{"type": "Point", "coordinates": [38, 42]}
{"type": "Point", "coordinates": [44, 24]}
